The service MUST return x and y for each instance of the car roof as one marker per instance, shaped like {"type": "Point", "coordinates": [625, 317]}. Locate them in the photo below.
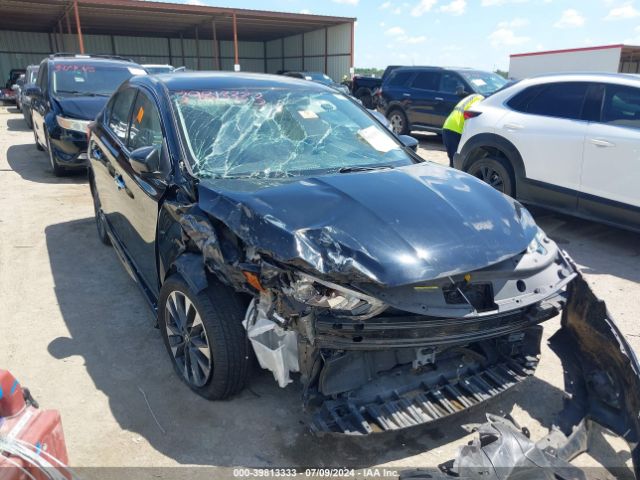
{"type": "Point", "coordinates": [622, 78]}
{"type": "Point", "coordinates": [89, 60]}
{"type": "Point", "coordinates": [227, 81]}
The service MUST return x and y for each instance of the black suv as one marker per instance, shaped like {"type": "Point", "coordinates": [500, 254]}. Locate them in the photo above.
{"type": "Point", "coordinates": [421, 98]}
{"type": "Point", "coordinates": [70, 91]}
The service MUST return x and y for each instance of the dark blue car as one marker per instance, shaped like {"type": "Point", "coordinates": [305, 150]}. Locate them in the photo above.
{"type": "Point", "coordinates": [70, 91]}
{"type": "Point", "coordinates": [270, 213]}
{"type": "Point", "coordinates": [421, 98]}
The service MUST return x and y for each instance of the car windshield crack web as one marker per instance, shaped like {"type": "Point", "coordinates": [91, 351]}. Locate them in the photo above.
{"type": "Point", "coordinates": [250, 134]}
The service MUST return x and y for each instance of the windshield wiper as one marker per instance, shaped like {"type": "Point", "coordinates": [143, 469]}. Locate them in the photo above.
{"type": "Point", "coordinates": [369, 168]}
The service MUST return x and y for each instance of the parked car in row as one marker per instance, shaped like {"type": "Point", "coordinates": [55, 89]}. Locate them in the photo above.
{"type": "Point", "coordinates": [318, 77]}
{"type": "Point", "coordinates": [17, 89]}
{"type": "Point", "coordinates": [421, 98]}
{"type": "Point", "coordinates": [365, 88]}
{"type": "Point", "coordinates": [158, 68]}
{"type": "Point", "coordinates": [31, 76]}
{"type": "Point", "coordinates": [259, 206]}
{"type": "Point", "coordinates": [8, 93]}
{"type": "Point", "coordinates": [567, 142]}
{"type": "Point", "coordinates": [70, 91]}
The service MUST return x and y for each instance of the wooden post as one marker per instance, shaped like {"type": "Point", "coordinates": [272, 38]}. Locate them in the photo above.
{"type": "Point", "coordinates": [197, 49]}
{"type": "Point", "coordinates": [216, 51]}
{"type": "Point", "coordinates": [236, 65]}
{"type": "Point", "coordinates": [80, 40]}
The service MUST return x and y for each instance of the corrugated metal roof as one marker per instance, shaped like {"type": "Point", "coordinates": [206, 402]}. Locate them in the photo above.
{"type": "Point", "coordinates": [146, 18]}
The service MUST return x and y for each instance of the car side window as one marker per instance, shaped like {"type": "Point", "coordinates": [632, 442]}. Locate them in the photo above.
{"type": "Point", "coordinates": [42, 77]}
{"type": "Point", "coordinates": [622, 106]}
{"type": "Point", "coordinates": [450, 83]}
{"type": "Point", "coordinates": [399, 79]}
{"type": "Point", "coordinates": [145, 130]}
{"type": "Point", "coordinates": [559, 100]}
{"type": "Point", "coordinates": [120, 110]}
{"type": "Point", "coordinates": [426, 81]}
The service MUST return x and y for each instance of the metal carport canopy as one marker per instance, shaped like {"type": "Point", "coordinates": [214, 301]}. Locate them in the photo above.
{"type": "Point", "coordinates": [157, 19]}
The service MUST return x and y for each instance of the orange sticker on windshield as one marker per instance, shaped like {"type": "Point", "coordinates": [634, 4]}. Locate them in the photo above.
{"type": "Point", "coordinates": [140, 115]}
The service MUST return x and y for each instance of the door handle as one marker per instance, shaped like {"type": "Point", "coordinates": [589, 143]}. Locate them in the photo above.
{"type": "Point", "coordinates": [599, 142]}
{"type": "Point", "coordinates": [513, 126]}
{"type": "Point", "coordinates": [406, 94]}
{"type": "Point", "coordinates": [439, 99]}
{"type": "Point", "coordinates": [119, 182]}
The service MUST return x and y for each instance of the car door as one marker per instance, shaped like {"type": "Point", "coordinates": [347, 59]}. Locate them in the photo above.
{"type": "Point", "coordinates": [545, 124]}
{"type": "Point", "coordinates": [39, 103]}
{"type": "Point", "coordinates": [450, 84]}
{"type": "Point", "coordinates": [140, 193]}
{"type": "Point", "coordinates": [610, 180]}
{"type": "Point", "coordinates": [423, 91]}
{"type": "Point", "coordinates": [106, 152]}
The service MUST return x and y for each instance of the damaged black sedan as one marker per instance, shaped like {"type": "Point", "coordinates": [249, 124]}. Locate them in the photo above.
{"type": "Point", "coordinates": [275, 215]}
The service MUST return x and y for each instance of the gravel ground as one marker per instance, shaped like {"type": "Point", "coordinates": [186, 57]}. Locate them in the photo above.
{"type": "Point", "coordinates": [76, 331]}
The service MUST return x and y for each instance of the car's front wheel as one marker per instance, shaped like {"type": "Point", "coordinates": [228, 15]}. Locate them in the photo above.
{"type": "Point", "coordinates": [100, 226]}
{"type": "Point", "coordinates": [57, 170]}
{"type": "Point", "coordinates": [35, 139]}
{"type": "Point", "coordinates": [204, 336]}
{"type": "Point", "coordinates": [494, 172]}
{"type": "Point", "coordinates": [398, 121]}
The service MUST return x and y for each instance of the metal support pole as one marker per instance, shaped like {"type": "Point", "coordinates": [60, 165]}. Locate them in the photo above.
{"type": "Point", "coordinates": [216, 50]}
{"type": "Point", "coordinates": [236, 66]}
{"type": "Point", "coordinates": [197, 49]}
{"type": "Point", "coordinates": [326, 51]}
{"type": "Point", "coordinates": [80, 40]}
{"type": "Point", "coordinates": [352, 46]}
{"type": "Point", "coordinates": [169, 48]}
{"type": "Point", "coordinates": [61, 36]}
{"type": "Point", "coordinates": [66, 17]}
{"type": "Point", "coordinates": [303, 52]}
{"type": "Point", "coordinates": [182, 49]}
{"type": "Point", "coordinates": [282, 52]}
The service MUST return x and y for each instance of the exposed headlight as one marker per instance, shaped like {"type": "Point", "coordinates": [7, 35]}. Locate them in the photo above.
{"type": "Point", "coordinates": [536, 244]}
{"type": "Point", "coordinates": [319, 293]}
{"type": "Point", "coordinates": [73, 124]}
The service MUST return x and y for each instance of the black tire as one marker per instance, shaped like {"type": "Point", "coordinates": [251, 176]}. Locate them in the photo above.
{"type": "Point", "coordinates": [35, 138]}
{"type": "Point", "coordinates": [364, 95]}
{"type": "Point", "coordinates": [494, 171]}
{"type": "Point", "coordinates": [57, 170]}
{"type": "Point", "coordinates": [399, 122]}
{"type": "Point", "coordinates": [100, 226]}
{"type": "Point", "coordinates": [27, 119]}
{"type": "Point", "coordinates": [221, 312]}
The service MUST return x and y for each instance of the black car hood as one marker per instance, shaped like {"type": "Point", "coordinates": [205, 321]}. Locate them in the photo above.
{"type": "Point", "coordinates": [393, 227]}
{"type": "Point", "coordinates": [83, 108]}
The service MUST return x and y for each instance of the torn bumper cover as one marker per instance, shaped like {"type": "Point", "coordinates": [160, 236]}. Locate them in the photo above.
{"type": "Point", "coordinates": [602, 382]}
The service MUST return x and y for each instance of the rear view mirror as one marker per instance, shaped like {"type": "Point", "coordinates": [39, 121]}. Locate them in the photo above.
{"type": "Point", "coordinates": [145, 159]}
{"type": "Point", "coordinates": [409, 142]}
{"type": "Point", "coordinates": [32, 90]}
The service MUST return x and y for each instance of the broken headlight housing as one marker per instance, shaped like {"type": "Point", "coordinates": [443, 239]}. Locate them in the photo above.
{"type": "Point", "coordinates": [340, 300]}
{"type": "Point", "coordinates": [537, 244]}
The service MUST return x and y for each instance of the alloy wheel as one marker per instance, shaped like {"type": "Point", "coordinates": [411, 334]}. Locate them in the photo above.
{"type": "Point", "coordinates": [491, 177]}
{"type": "Point", "coordinates": [188, 340]}
{"type": "Point", "coordinates": [397, 123]}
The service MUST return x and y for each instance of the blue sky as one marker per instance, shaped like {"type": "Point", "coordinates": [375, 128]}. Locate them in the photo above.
{"type": "Point", "coordinates": [474, 33]}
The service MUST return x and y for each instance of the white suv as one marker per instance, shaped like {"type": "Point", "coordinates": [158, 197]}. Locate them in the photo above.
{"type": "Point", "coordinates": [568, 142]}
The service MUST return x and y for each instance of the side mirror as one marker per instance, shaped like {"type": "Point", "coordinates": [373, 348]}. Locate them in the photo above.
{"type": "Point", "coordinates": [409, 142]}
{"type": "Point", "coordinates": [460, 92]}
{"type": "Point", "coordinates": [32, 91]}
{"type": "Point", "coordinates": [145, 160]}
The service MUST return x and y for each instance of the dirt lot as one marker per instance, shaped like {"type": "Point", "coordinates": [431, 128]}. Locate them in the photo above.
{"type": "Point", "coordinates": [76, 331]}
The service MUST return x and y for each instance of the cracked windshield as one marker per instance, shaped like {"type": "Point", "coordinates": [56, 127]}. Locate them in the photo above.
{"type": "Point", "coordinates": [279, 133]}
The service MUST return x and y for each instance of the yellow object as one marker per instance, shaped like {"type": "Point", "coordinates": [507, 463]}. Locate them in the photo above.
{"type": "Point", "coordinates": [467, 277]}
{"type": "Point", "coordinates": [455, 121]}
